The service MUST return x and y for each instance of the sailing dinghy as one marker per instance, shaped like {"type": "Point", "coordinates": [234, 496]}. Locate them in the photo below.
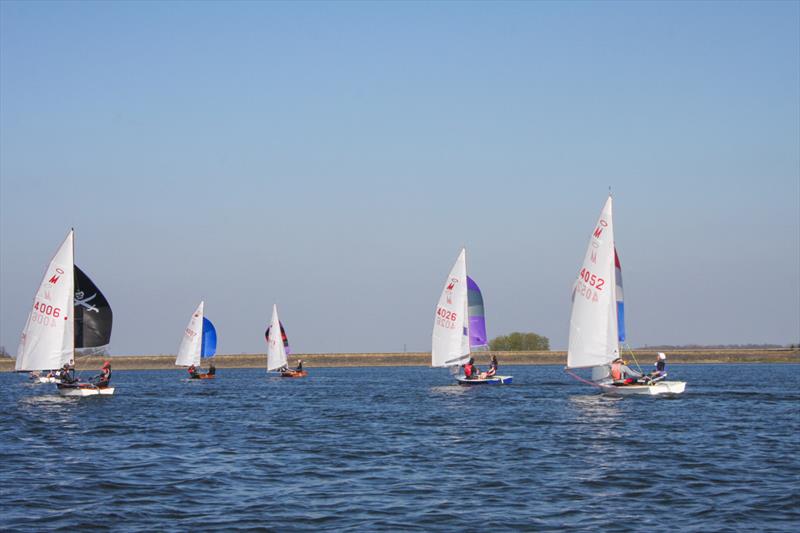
{"type": "Point", "coordinates": [452, 325]}
{"type": "Point", "coordinates": [49, 337]}
{"type": "Point", "coordinates": [278, 347]}
{"type": "Point", "coordinates": [199, 342]}
{"type": "Point", "coordinates": [93, 321]}
{"type": "Point", "coordinates": [597, 324]}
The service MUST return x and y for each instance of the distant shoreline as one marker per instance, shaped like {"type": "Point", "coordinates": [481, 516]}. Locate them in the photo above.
{"type": "Point", "coordinates": [329, 360]}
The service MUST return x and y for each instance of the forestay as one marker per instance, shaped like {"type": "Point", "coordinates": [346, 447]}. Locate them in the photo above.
{"type": "Point", "coordinates": [47, 341]}
{"type": "Point", "coordinates": [189, 351]}
{"type": "Point", "coordinates": [276, 353]}
{"type": "Point", "coordinates": [593, 329]}
{"type": "Point", "coordinates": [450, 346]}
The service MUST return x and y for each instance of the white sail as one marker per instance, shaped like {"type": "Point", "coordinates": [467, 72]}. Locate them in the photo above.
{"type": "Point", "coordinates": [48, 340]}
{"type": "Point", "coordinates": [192, 342]}
{"type": "Point", "coordinates": [450, 345]}
{"type": "Point", "coordinates": [276, 353]}
{"type": "Point", "coordinates": [593, 332]}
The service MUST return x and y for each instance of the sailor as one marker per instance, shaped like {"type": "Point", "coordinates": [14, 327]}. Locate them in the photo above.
{"type": "Point", "coordinates": [192, 372]}
{"type": "Point", "coordinates": [299, 366]}
{"type": "Point", "coordinates": [211, 368]}
{"type": "Point", "coordinates": [622, 374]}
{"type": "Point", "coordinates": [105, 375]}
{"type": "Point", "coordinates": [492, 368]}
{"type": "Point", "coordinates": [661, 366]}
{"type": "Point", "coordinates": [68, 374]}
{"type": "Point", "coordinates": [470, 370]}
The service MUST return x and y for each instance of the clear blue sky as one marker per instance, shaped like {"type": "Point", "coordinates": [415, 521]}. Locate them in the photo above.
{"type": "Point", "coordinates": [333, 158]}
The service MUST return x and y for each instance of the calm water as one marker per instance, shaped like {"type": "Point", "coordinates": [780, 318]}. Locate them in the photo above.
{"type": "Point", "coordinates": [403, 449]}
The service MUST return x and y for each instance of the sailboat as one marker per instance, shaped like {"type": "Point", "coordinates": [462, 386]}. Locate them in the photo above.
{"type": "Point", "coordinates": [597, 324]}
{"type": "Point", "coordinates": [93, 320]}
{"type": "Point", "coordinates": [278, 347]}
{"type": "Point", "coordinates": [452, 324]}
{"type": "Point", "coordinates": [49, 337]}
{"type": "Point", "coordinates": [199, 342]}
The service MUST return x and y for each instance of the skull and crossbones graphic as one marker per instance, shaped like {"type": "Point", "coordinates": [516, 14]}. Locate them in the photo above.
{"type": "Point", "coordinates": [84, 302]}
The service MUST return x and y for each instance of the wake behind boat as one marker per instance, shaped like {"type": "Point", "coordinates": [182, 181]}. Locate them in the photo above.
{"type": "Point", "coordinates": [597, 323]}
{"type": "Point", "coordinates": [454, 335]}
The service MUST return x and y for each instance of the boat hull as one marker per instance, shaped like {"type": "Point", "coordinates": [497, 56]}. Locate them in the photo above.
{"type": "Point", "coordinates": [203, 376]}
{"type": "Point", "coordinates": [84, 390]}
{"type": "Point", "coordinates": [494, 380]}
{"type": "Point", "coordinates": [660, 387]}
{"type": "Point", "coordinates": [294, 374]}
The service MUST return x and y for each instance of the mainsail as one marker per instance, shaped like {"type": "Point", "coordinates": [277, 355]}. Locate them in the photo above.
{"type": "Point", "coordinates": [286, 346]}
{"type": "Point", "coordinates": [47, 341]}
{"type": "Point", "coordinates": [191, 343]}
{"type": "Point", "coordinates": [450, 342]}
{"type": "Point", "coordinates": [593, 329]}
{"type": "Point", "coordinates": [276, 354]}
{"type": "Point", "coordinates": [477, 320]}
{"type": "Point", "coordinates": [93, 316]}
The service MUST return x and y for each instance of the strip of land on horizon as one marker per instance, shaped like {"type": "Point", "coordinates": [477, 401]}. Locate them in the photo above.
{"type": "Point", "coordinates": [695, 356]}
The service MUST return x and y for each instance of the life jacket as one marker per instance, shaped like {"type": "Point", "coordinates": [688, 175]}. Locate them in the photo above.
{"type": "Point", "coordinates": [469, 370]}
{"type": "Point", "coordinates": [616, 371]}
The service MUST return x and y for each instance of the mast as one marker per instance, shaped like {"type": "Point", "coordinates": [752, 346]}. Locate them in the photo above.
{"type": "Point", "coordinates": [72, 333]}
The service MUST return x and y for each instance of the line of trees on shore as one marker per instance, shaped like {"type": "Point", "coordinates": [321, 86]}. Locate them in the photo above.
{"type": "Point", "coordinates": [520, 342]}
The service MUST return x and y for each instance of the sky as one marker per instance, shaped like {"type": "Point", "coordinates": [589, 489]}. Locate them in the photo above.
{"type": "Point", "coordinates": [333, 158]}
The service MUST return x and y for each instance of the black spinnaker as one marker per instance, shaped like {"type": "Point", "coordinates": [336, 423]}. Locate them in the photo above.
{"type": "Point", "coordinates": [93, 316]}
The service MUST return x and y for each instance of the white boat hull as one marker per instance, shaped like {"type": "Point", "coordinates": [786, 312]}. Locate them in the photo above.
{"type": "Point", "coordinates": [661, 387]}
{"type": "Point", "coordinates": [494, 380]}
{"type": "Point", "coordinates": [85, 391]}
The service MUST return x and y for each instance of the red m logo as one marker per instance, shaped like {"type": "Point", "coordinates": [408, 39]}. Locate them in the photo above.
{"type": "Point", "coordinates": [54, 280]}
{"type": "Point", "coordinates": [597, 232]}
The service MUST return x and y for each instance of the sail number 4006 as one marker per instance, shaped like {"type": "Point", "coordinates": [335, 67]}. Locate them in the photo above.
{"type": "Point", "coordinates": [446, 319]}
{"type": "Point", "coordinates": [592, 279]}
{"type": "Point", "coordinates": [47, 310]}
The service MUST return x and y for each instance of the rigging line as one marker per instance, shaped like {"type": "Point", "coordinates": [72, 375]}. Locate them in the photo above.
{"type": "Point", "coordinates": [576, 376]}
{"type": "Point", "coordinates": [628, 346]}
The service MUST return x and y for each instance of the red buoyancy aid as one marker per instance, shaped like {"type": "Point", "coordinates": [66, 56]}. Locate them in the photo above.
{"type": "Point", "coordinates": [616, 371]}
{"type": "Point", "coordinates": [469, 370]}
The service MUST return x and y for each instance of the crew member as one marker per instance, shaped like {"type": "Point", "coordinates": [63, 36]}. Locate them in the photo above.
{"type": "Point", "coordinates": [105, 375]}
{"type": "Point", "coordinates": [470, 370]}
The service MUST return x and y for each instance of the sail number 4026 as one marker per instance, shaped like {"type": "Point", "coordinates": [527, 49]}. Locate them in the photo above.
{"type": "Point", "coordinates": [446, 319]}
{"type": "Point", "coordinates": [591, 279]}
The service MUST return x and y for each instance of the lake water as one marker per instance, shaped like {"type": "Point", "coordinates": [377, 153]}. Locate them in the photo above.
{"type": "Point", "coordinates": [403, 449]}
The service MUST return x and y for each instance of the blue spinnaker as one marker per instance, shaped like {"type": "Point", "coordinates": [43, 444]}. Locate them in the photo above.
{"type": "Point", "coordinates": [477, 320]}
{"type": "Point", "coordinates": [620, 298]}
{"type": "Point", "coordinates": [209, 347]}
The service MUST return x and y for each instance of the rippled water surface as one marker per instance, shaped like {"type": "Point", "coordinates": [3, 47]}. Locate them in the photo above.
{"type": "Point", "coordinates": [403, 449]}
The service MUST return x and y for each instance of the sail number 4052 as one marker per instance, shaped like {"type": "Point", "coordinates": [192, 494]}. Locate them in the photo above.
{"type": "Point", "coordinates": [446, 319]}
{"type": "Point", "coordinates": [592, 279]}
